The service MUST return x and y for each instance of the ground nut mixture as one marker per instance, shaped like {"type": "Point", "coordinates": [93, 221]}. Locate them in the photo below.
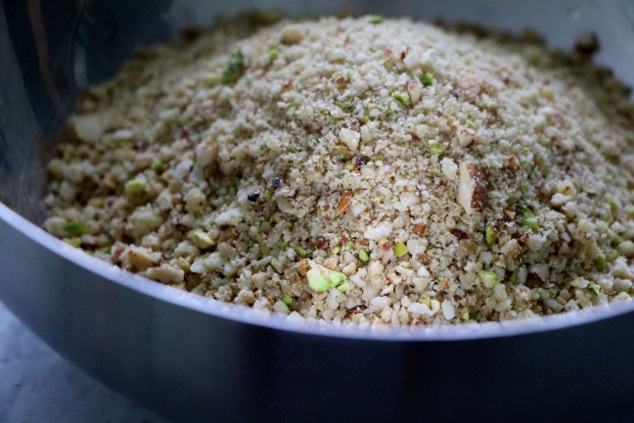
{"type": "Point", "coordinates": [365, 170]}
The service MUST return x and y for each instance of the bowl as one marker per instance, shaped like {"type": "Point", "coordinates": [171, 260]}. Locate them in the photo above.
{"type": "Point", "coordinates": [192, 358]}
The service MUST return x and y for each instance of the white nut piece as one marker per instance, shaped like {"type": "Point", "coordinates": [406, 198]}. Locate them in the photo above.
{"type": "Point", "coordinates": [88, 128]}
{"type": "Point", "coordinates": [449, 168]}
{"type": "Point", "coordinates": [466, 136]}
{"type": "Point", "coordinates": [415, 90]}
{"type": "Point", "coordinates": [206, 154]}
{"type": "Point", "coordinates": [350, 138]}
{"type": "Point", "coordinates": [137, 258]}
{"type": "Point", "coordinates": [166, 273]}
{"type": "Point", "coordinates": [472, 188]}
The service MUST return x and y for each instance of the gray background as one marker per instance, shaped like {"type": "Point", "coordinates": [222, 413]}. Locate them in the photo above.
{"type": "Point", "coordinates": [37, 385]}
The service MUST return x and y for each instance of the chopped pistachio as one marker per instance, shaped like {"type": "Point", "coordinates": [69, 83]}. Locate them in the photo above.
{"type": "Point", "coordinates": [514, 276]}
{"type": "Point", "coordinates": [344, 287]}
{"type": "Point", "coordinates": [400, 97]}
{"type": "Point", "coordinates": [348, 246]}
{"type": "Point", "coordinates": [317, 281]}
{"type": "Point", "coordinates": [344, 104]}
{"type": "Point", "coordinates": [335, 250]}
{"type": "Point", "coordinates": [433, 147]}
{"type": "Point", "coordinates": [489, 278]}
{"type": "Point", "coordinates": [158, 165]}
{"type": "Point", "coordinates": [135, 187]}
{"type": "Point", "coordinates": [595, 288]}
{"type": "Point", "coordinates": [286, 299]}
{"type": "Point", "coordinates": [234, 69]}
{"type": "Point", "coordinates": [320, 278]}
{"type": "Point", "coordinates": [471, 124]}
{"type": "Point", "coordinates": [490, 235]}
{"type": "Point", "coordinates": [528, 219]}
{"type": "Point", "coordinates": [425, 299]}
{"type": "Point", "coordinates": [284, 246]}
{"type": "Point", "coordinates": [364, 256]}
{"type": "Point", "coordinates": [302, 252]}
{"type": "Point", "coordinates": [267, 195]}
{"type": "Point", "coordinates": [613, 205]}
{"type": "Point", "coordinates": [389, 112]}
{"type": "Point", "coordinates": [349, 76]}
{"type": "Point", "coordinates": [375, 19]}
{"type": "Point", "coordinates": [181, 122]}
{"type": "Point", "coordinates": [74, 242]}
{"type": "Point", "coordinates": [400, 249]}
{"type": "Point", "coordinates": [75, 227]}
{"type": "Point", "coordinates": [427, 79]}
{"type": "Point", "coordinates": [348, 165]}
{"type": "Point", "coordinates": [600, 262]}
{"type": "Point", "coordinates": [202, 239]}
{"type": "Point", "coordinates": [184, 264]}
{"type": "Point", "coordinates": [465, 314]}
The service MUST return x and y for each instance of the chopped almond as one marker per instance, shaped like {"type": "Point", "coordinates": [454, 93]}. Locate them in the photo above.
{"type": "Point", "coordinates": [472, 189]}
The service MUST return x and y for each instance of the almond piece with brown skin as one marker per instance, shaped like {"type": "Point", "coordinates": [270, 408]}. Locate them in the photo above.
{"type": "Point", "coordinates": [472, 189]}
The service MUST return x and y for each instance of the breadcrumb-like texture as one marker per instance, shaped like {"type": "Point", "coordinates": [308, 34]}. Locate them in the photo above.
{"type": "Point", "coordinates": [383, 172]}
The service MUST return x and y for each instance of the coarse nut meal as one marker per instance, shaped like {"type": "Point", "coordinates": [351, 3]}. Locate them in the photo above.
{"type": "Point", "coordinates": [369, 170]}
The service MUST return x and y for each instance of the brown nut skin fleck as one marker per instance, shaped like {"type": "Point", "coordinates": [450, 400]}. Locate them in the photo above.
{"type": "Point", "coordinates": [302, 267]}
{"type": "Point", "coordinates": [322, 243]}
{"type": "Point", "coordinates": [473, 186]}
{"type": "Point", "coordinates": [344, 202]}
{"type": "Point", "coordinates": [444, 284]}
{"type": "Point", "coordinates": [458, 233]}
{"type": "Point", "coordinates": [419, 229]}
{"type": "Point", "coordinates": [480, 192]}
{"type": "Point", "coordinates": [514, 163]}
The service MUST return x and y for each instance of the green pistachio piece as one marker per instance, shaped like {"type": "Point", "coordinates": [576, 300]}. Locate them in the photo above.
{"type": "Point", "coordinates": [490, 235]}
{"type": "Point", "coordinates": [202, 240]}
{"type": "Point", "coordinates": [234, 69]}
{"type": "Point", "coordinates": [489, 278]}
{"type": "Point", "coordinates": [75, 227]}
{"type": "Point", "coordinates": [528, 219]}
{"type": "Point", "coordinates": [400, 249]}
{"type": "Point", "coordinates": [135, 187]}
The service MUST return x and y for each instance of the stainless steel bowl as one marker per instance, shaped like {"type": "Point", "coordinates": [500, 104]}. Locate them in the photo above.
{"type": "Point", "coordinates": [196, 359]}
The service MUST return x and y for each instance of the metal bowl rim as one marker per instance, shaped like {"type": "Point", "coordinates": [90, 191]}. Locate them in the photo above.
{"type": "Point", "coordinates": [218, 309]}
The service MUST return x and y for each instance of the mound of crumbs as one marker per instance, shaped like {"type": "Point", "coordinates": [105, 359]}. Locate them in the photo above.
{"type": "Point", "coordinates": [378, 171]}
